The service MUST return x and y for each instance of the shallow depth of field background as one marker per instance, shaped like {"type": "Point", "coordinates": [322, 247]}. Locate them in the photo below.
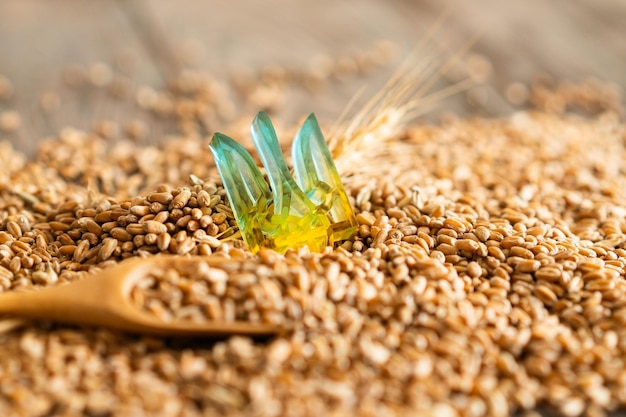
{"type": "Point", "coordinates": [152, 41]}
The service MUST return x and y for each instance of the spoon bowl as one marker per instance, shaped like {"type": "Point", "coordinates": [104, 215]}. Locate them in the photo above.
{"type": "Point", "coordinates": [103, 299]}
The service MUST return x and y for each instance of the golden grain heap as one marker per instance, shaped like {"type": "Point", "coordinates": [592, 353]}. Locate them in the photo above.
{"type": "Point", "coordinates": [486, 278]}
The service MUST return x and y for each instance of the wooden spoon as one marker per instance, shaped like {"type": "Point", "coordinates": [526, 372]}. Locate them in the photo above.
{"type": "Point", "coordinates": [103, 299]}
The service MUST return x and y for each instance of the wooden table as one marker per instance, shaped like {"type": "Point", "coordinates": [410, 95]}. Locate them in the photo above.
{"type": "Point", "coordinates": [571, 40]}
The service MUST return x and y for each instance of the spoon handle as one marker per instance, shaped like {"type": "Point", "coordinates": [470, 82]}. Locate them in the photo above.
{"type": "Point", "coordinates": [13, 303]}
{"type": "Point", "coordinates": [49, 303]}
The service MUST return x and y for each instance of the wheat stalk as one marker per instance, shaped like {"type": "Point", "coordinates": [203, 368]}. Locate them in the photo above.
{"type": "Point", "coordinates": [404, 97]}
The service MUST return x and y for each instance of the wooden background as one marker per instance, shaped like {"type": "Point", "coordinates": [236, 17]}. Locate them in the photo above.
{"type": "Point", "coordinates": [569, 39]}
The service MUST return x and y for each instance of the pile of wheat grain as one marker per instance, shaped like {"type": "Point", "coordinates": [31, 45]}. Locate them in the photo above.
{"type": "Point", "coordinates": [487, 276]}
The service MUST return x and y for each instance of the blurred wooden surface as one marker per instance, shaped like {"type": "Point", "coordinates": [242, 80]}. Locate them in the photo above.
{"type": "Point", "coordinates": [569, 39]}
